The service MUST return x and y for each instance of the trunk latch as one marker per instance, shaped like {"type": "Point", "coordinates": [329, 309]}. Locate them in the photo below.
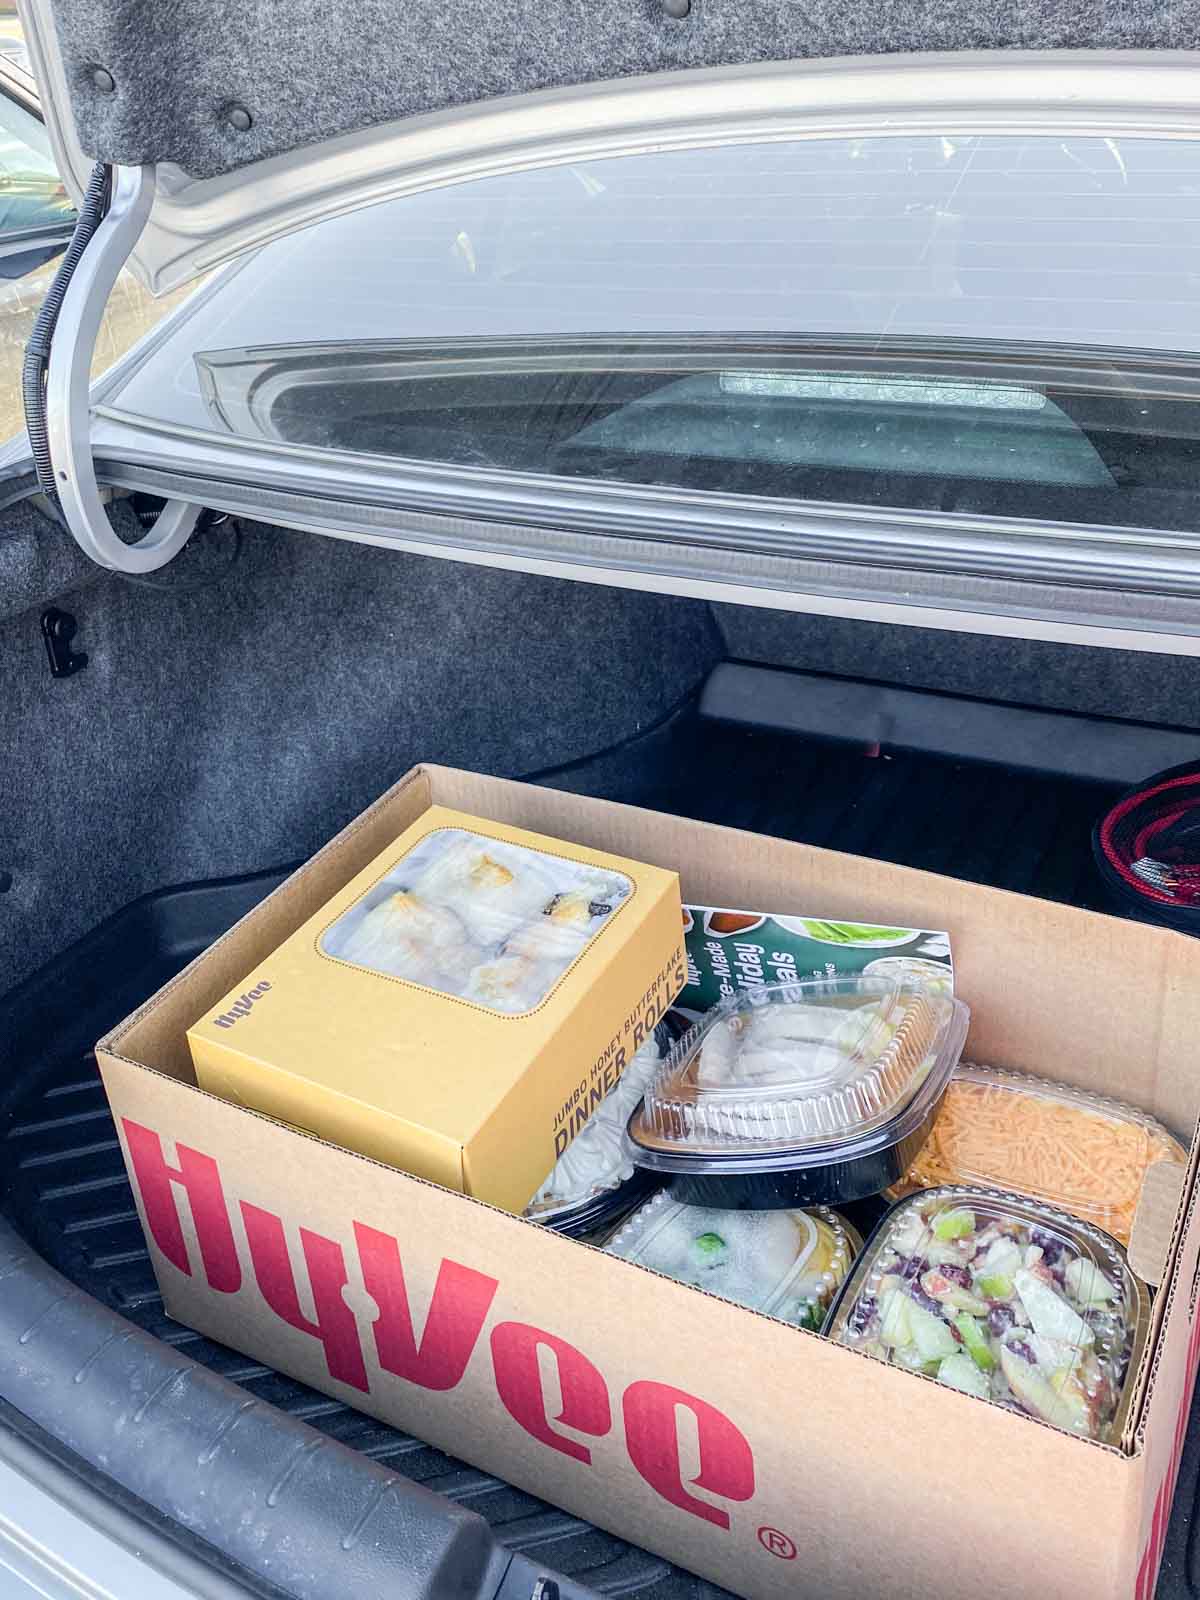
{"type": "Point", "coordinates": [58, 629]}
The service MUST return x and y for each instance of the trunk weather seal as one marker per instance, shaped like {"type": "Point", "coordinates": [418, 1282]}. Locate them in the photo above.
{"type": "Point", "coordinates": [828, 584]}
{"type": "Point", "coordinates": [196, 462]}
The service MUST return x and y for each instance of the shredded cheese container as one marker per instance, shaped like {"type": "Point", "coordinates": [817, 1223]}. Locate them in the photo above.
{"type": "Point", "coordinates": [786, 1264]}
{"type": "Point", "coordinates": [1003, 1299]}
{"type": "Point", "coordinates": [1083, 1153]}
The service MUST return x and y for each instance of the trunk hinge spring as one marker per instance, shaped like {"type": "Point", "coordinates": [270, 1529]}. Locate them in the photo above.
{"type": "Point", "coordinates": [68, 384]}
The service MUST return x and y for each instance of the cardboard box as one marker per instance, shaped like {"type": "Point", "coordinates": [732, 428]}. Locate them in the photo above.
{"type": "Point", "coordinates": [754, 1453]}
{"type": "Point", "coordinates": [422, 1074]}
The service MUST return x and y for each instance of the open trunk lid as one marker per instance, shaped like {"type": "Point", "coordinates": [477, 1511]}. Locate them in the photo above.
{"type": "Point", "coordinates": [259, 120]}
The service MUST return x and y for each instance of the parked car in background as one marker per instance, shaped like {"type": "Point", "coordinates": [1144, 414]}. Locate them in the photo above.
{"type": "Point", "coordinates": [37, 218]}
{"type": "Point", "coordinates": [12, 37]}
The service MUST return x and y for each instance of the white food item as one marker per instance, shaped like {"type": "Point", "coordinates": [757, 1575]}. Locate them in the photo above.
{"type": "Point", "coordinates": [1049, 1313]}
{"type": "Point", "coordinates": [554, 937]}
{"type": "Point", "coordinates": [482, 919]}
{"type": "Point", "coordinates": [491, 887]}
{"type": "Point", "coordinates": [784, 1043]}
{"type": "Point", "coordinates": [596, 896]}
{"type": "Point", "coordinates": [895, 1326]}
{"type": "Point", "coordinates": [931, 1335]}
{"type": "Point", "coordinates": [408, 937]}
{"type": "Point", "coordinates": [1054, 1355]}
{"type": "Point", "coordinates": [510, 983]}
{"type": "Point", "coordinates": [960, 1372]}
{"type": "Point", "coordinates": [596, 1158]}
{"type": "Point", "coordinates": [1088, 1284]}
{"type": "Point", "coordinates": [1003, 1257]}
{"type": "Point", "coordinates": [909, 1233]}
{"type": "Point", "coordinates": [743, 1255]}
{"type": "Point", "coordinates": [544, 939]}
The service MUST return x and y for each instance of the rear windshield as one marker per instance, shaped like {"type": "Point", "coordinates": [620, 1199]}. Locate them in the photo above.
{"type": "Point", "coordinates": [994, 324]}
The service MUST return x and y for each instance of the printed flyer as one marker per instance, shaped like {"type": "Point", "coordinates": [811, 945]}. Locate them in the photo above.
{"type": "Point", "coordinates": [729, 950]}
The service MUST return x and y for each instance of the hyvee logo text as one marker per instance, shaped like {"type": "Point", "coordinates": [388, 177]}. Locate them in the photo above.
{"type": "Point", "coordinates": [241, 1006]}
{"type": "Point", "coordinates": [719, 1459]}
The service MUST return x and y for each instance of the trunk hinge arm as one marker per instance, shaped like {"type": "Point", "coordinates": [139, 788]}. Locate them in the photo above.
{"type": "Point", "coordinates": [68, 385]}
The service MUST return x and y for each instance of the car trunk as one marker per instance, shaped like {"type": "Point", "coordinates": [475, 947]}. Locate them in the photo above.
{"type": "Point", "coordinates": [237, 709]}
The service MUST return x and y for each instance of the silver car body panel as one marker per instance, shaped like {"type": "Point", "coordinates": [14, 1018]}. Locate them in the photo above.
{"type": "Point", "coordinates": [197, 224]}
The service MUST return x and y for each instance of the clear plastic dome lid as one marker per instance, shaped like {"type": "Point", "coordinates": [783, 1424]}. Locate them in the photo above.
{"type": "Point", "coordinates": [795, 1065]}
{"type": "Point", "coordinates": [787, 1264]}
{"type": "Point", "coordinates": [1004, 1299]}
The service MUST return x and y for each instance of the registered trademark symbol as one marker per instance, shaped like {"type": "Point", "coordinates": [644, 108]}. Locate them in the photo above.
{"type": "Point", "coordinates": [777, 1543]}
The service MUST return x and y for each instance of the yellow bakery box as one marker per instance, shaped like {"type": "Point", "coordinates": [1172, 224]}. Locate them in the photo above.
{"type": "Point", "coordinates": [459, 1008]}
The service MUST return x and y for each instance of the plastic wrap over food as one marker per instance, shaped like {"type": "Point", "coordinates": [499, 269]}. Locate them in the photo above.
{"type": "Point", "coordinates": [1003, 1299]}
{"type": "Point", "coordinates": [787, 1264]}
{"type": "Point", "coordinates": [478, 918]}
{"type": "Point", "coordinates": [796, 1066]}
{"type": "Point", "coordinates": [814, 1093]}
{"type": "Point", "coordinates": [598, 1160]}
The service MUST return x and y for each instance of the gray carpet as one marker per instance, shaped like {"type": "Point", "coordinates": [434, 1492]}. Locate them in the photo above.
{"type": "Point", "coordinates": [1031, 672]}
{"type": "Point", "coordinates": [242, 705]}
{"type": "Point", "coordinates": [224, 729]}
{"type": "Point", "coordinates": [306, 70]}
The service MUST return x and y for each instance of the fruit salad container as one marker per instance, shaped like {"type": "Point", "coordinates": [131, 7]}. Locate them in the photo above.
{"type": "Point", "coordinates": [808, 1093]}
{"type": "Point", "coordinates": [1004, 1299]}
{"type": "Point", "coordinates": [1083, 1153]}
{"type": "Point", "coordinates": [594, 1182]}
{"type": "Point", "coordinates": [786, 1264]}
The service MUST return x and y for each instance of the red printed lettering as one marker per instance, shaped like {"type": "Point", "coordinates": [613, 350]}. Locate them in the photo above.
{"type": "Point", "coordinates": [199, 1177]}
{"type": "Point", "coordinates": [335, 1325]}
{"type": "Point", "coordinates": [652, 1438]}
{"type": "Point", "coordinates": [584, 1393]}
{"type": "Point", "coordinates": [717, 1461]}
{"type": "Point", "coordinates": [461, 1300]}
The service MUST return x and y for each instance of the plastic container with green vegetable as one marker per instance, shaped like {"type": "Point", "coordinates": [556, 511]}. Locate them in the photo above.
{"type": "Point", "coordinates": [1003, 1299]}
{"type": "Point", "coordinates": [787, 1264]}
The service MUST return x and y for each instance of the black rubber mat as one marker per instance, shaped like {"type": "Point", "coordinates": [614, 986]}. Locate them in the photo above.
{"type": "Point", "coordinates": [63, 1180]}
{"type": "Point", "coordinates": [1015, 830]}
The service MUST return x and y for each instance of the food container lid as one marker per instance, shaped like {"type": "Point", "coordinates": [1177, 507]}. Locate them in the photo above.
{"type": "Point", "coordinates": [787, 1264]}
{"type": "Point", "coordinates": [1082, 1152]}
{"type": "Point", "coordinates": [801, 1074]}
{"type": "Point", "coordinates": [1004, 1299]}
{"type": "Point", "coordinates": [597, 1213]}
